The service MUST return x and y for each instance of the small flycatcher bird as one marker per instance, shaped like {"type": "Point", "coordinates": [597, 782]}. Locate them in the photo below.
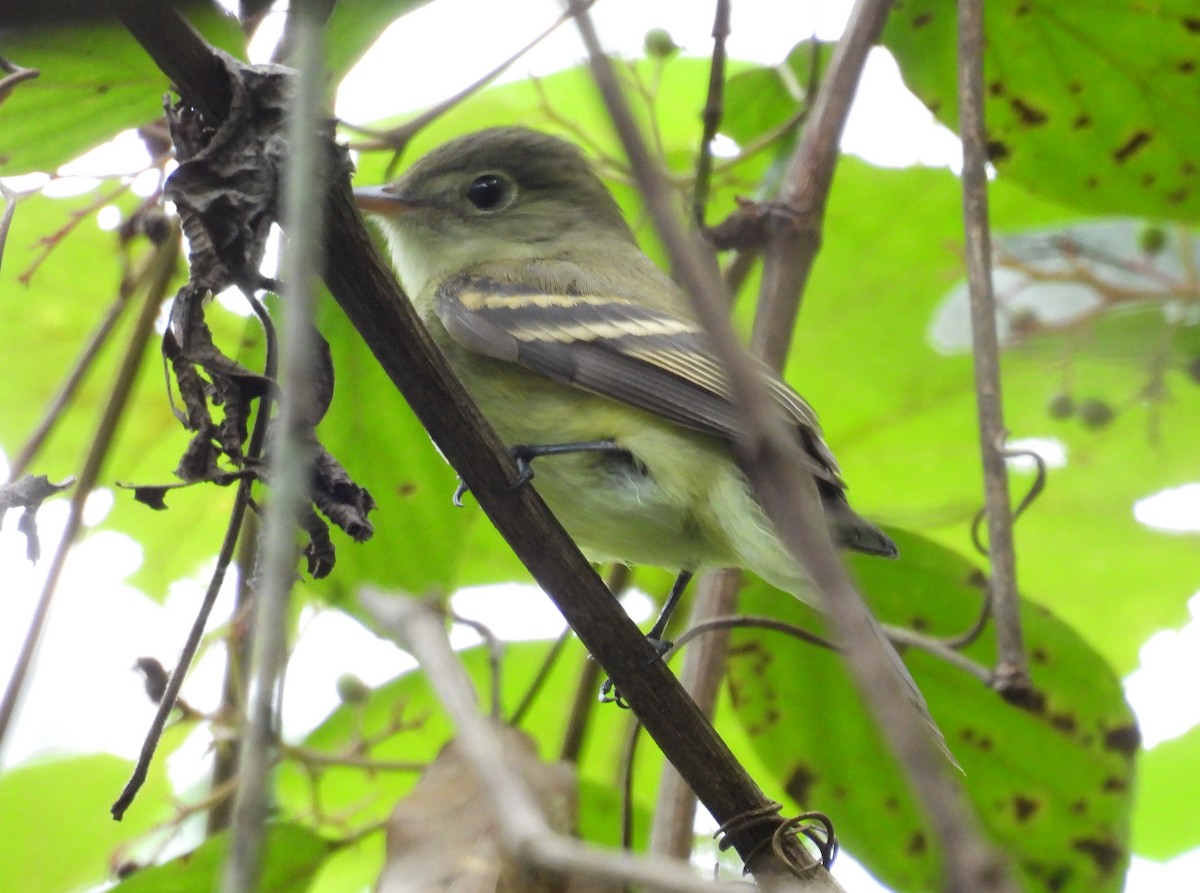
{"type": "Point", "coordinates": [576, 346]}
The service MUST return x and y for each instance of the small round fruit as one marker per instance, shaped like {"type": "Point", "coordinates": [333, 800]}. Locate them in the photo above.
{"type": "Point", "coordinates": [1095, 413]}
{"type": "Point", "coordinates": [1061, 406]}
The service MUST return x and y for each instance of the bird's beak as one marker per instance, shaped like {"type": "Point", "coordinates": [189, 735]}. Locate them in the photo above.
{"type": "Point", "coordinates": [382, 200]}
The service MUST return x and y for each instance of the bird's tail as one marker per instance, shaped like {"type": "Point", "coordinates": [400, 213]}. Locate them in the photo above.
{"type": "Point", "coordinates": [851, 530]}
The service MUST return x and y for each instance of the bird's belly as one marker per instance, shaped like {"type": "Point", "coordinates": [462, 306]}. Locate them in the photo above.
{"type": "Point", "coordinates": [650, 507]}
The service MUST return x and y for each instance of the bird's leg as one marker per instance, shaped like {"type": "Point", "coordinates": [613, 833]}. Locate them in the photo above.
{"type": "Point", "coordinates": [525, 453]}
{"type": "Point", "coordinates": [655, 636]}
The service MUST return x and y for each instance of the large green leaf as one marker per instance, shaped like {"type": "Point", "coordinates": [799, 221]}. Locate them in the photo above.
{"type": "Point", "coordinates": [1093, 104]}
{"type": "Point", "coordinates": [900, 415]}
{"type": "Point", "coordinates": [58, 834]}
{"type": "Point", "coordinates": [291, 858]}
{"type": "Point", "coordinates": [356, 24]}
{"type": "Point", "coordinates": [1052, 786]}
{"type": "Point", "coordinates": [95, 81]}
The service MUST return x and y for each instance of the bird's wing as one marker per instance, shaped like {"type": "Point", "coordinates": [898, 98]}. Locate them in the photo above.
{"type": "Point", "coordinates": [616, 348]}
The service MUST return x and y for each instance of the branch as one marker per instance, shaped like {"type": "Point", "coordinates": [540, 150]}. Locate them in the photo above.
{"type": "Point", "coordinates": [1012, 673]}
{"type": "Point", "coordinates": [290, 457]}
{"type": "Point", "coordinates": [795, 237]}
{"type": "Point", "coordinates": [364, 286]}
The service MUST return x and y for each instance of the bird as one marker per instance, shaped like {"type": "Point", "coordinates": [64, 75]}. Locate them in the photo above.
{"type": "Point", "coordinates": [585, 356]}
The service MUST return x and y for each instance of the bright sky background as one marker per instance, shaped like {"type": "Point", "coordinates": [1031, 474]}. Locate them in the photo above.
{"type": "Point", "coordinates": [99, 625]}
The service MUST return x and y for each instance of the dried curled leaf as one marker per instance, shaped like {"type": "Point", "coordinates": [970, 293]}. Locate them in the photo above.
{"type": "Point", "coordinates": [226, 190]}
{"type": "Point", "coordinates": [28, 493]}
{"type": "Point", "coordinates": [444, 836]}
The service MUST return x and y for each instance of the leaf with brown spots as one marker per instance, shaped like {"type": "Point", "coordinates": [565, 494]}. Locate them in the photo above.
{"type": "Point", "coordinates": [1085, 98]}
{"type": "Point", "coordinates": [1026, 768]}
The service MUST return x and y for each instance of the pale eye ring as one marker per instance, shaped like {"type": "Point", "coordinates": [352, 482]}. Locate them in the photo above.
{"type": "Point", "coordinates": [489, 192]}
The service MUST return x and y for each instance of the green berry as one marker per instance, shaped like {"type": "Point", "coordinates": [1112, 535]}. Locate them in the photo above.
{"type": "Point", "coordinates": [1061, 406]}
{"type": "Point", "coordinates": [659, 44]}
{"type": "Point", "coordinates": [352, 690]}
{"type": "Point", "coordinates": [1095, 413]}
{"type": "Point", "coordinates": [1152, 239]}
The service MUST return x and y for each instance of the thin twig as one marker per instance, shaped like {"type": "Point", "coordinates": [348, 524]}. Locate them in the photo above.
{"type": "Point", "coordinates": [750, 621]}
{"type": "Point", "coordinates": [795, 237]}
{"type": "Point", "coordinates": [51, 242]}
{"type": "Point", "coordinates": [290, 457]}
{"type": "Point", "coordinates": [539, 679]}
{"type": "Point", "coordinates": [584, 702]}
{"type": "Point", "coordinates": [633, 734]}
{"type": "Point", "coordinates": [495, 651]}
{"type": "Point", "coordinates": [398, 138]}
{"type": "Point", "coordinates": [70, 386]}
{"type": "Point", "coordinates": [10, 207]}
{"type": "Point", "coordinates": [162, 265]}
{"type": "Point", "coordinates": [319, 758]}
{"type": "Point", "coordinates": [16, 75]}
{"type": "Point", "coordinates": [167, 703]}
{"type": "Point", "coordinates": [1012, 672]}
{"type": "Point", "coordinates": [711, 116]}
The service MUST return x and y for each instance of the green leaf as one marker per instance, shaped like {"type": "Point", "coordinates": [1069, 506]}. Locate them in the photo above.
{"type": "Point", "coordinates": [1093, 104]}
{"type": "Point", "coordinates": [292, 856]}
{"type": "Point", "coordinates": [760, 99]}
{"type": "Point", "coordinates": [95, 82]}
{"type": "Point", "coordinates": [1167, 814]}
{"type": "Point", "coordinates": [354, 25]}
{"type": "Point", "coordinates": [900, 414]}
{"type": "Point", "coordinates": [1052, 786]}
{"type": "Point", "coordinates": [46, 803]}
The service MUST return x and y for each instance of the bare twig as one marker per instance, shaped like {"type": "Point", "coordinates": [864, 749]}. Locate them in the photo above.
{"type": "Point", "coordinates": [398, 138]}
{"type": "Point", "coordinates": [10, 207]}
{"type": "Point", "coordinates": [15, 75]}
{"type": "Point", "coordinates": [290, 457]}
{"type": "Point", "coordinates": [495, 652]}
{"type": "Point", "coordinates": [711, 116]}
{"type": "Point", "coordinates": [1012, 671]}
{"type": "Point", "coordinates": [750, 621]}
{"type": "Point", "coordinates": [539, 679]}
{"type": "Point", "coordinates": [162, 266]}
{"type": "Point", "coordinates": [167, 703]}
{"type": "Point", "coordinates": [51, 242]}
{"type": "Point", "coordinates": [765, 451]}
{"type": "Point", "coordinates": [66, 392]}
{"type": "Point", "coordinates": [795, 237]}
{"type": "Point", "coordinates": [525, 832]}
{"type": "Point", "coordinates": [616, 579]}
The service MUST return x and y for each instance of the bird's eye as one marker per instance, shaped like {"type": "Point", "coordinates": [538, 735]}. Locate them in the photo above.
{"type": "Point", "coordinates": [488, 192]}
